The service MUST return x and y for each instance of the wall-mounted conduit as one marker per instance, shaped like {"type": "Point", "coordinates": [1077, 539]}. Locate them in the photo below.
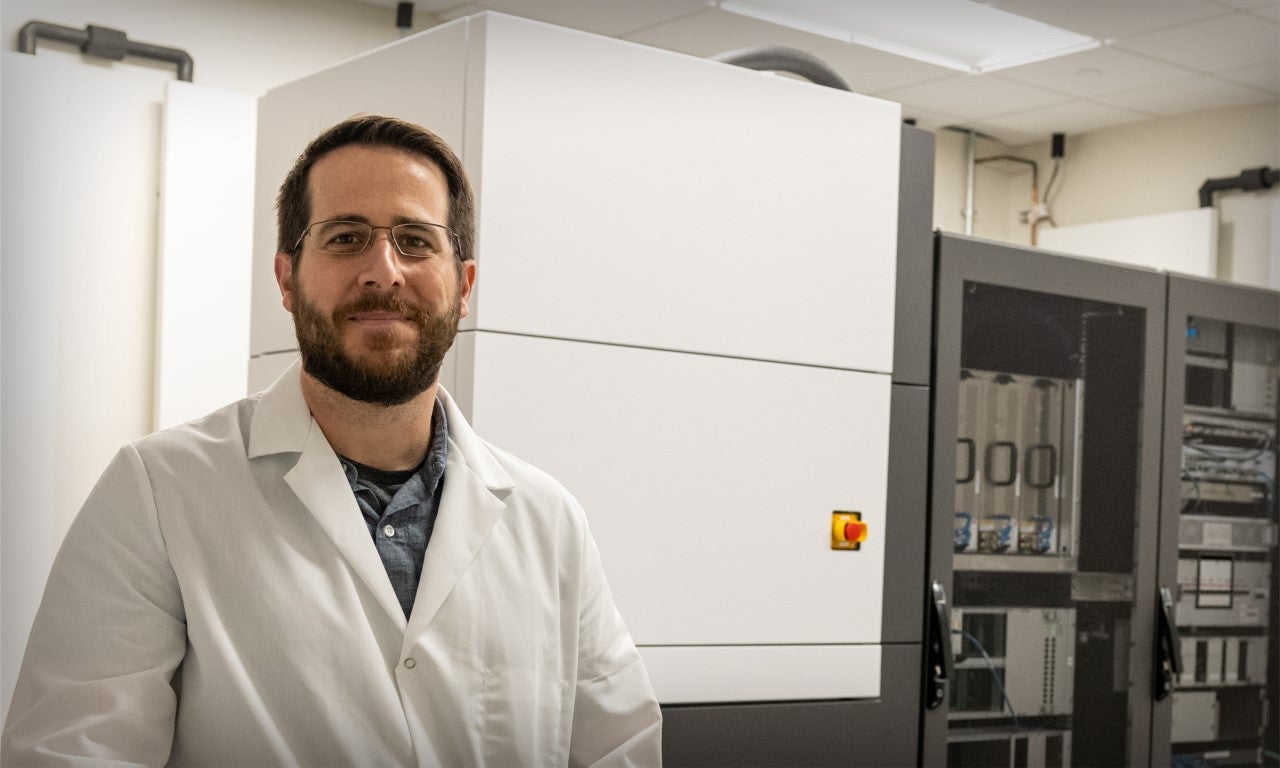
{"type": "Point", "coordinates": [103, 42]}
{"type": "Point", "coordinates": [1248, 181]}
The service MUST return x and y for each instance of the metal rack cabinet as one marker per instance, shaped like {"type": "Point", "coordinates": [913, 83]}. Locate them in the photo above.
{"type": "Point", "coordinates": [1218, 551]}
{"type": "Point", "coordinates": [1044, 508]}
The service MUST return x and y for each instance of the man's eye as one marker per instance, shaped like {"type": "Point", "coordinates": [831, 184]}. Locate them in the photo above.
{"type": "Point", "coordinates": [344, 238]}
{"type": "Point", "coordinates": [414, 241]}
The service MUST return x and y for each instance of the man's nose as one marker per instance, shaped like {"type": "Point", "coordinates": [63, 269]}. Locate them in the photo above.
{"type": "Point", "coordinates": [381, 267]}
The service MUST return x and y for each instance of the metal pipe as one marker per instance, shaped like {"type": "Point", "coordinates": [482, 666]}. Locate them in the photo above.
{"type": "Point", "coordinates": [782, 59]}
{"type": "Point", "coordinates": [103, 42]}
{"type": "Point", "coordinates": [1248, 180]}
{"type": "Point", "coordinates": [968, 196]}
{"type": "Point", "coordinates": [1035, 185]}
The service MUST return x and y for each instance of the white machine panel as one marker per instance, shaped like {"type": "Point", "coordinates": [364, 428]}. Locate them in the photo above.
{"type": "Point", "coordinates": [684, 312]}
{"type": "Point", "coordinates": [698, 675]}
{"type": "Point", "coordinates": [265, 369]}
{"type": "Point", "coordinates": [638, 196]}
{"type": "Point", "coordinates": [420, 79]}
{"type": "Point", "coordinates": [709, 482]}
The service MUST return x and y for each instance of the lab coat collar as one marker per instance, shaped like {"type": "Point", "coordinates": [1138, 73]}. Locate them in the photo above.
{"type": "Point", "coordinates": [282, 423]}
{"type": "Point", "coordinates": [472, 501]}
{"type": "Point", "coordinates": [281, 420]}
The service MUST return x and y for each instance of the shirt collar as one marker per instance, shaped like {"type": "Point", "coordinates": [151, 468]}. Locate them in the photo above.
{"type": "Point", "coordinates": [432, 467]}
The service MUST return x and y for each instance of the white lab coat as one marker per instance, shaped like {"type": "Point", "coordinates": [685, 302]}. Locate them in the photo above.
{"type": "Point", "coordinates": [231, 552]}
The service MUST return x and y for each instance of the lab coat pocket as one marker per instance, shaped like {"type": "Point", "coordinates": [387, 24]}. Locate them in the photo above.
{"type": "Point", "coordinates": [526, 716]}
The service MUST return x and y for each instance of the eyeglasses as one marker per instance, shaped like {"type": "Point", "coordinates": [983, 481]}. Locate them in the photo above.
{"type": "Point", "coordinates": [417, 240]}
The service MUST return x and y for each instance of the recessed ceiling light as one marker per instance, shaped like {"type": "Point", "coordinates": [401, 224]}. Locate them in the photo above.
{"type": "Point", "coordinates": [959, 34]}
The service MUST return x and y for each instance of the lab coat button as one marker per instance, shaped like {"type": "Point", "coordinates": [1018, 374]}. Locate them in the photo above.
{"type": "Point", "coordinates": [389, 531]}
{"type": "Point", "coordinates": [409, 663]}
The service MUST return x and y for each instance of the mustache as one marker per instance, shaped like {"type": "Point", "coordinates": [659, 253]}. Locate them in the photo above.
{"type": "Point", "coordinates": [379, 302]}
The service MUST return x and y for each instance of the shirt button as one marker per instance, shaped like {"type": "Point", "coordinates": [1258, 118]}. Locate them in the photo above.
{"type": "Point", "coordinates": [410, 663]}
{"type": "Point", "coordinates": [389, 531]}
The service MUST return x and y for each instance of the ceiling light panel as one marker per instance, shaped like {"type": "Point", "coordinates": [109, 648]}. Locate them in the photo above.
{"type": "Point", "coordinates": [957, 34]}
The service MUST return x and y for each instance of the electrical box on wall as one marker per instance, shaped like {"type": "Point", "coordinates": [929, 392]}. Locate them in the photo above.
{"type": "Point", "coordinates": [684, 312]}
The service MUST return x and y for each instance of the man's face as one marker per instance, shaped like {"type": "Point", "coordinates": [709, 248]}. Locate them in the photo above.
{"type": "Point", "coordinates": [375, 326]}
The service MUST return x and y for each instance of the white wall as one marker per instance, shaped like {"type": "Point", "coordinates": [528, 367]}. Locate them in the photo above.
{"type": "Point", "coordinates": [990, 189]}
{"type": "Point", "coordinates": [242, 45]}
{"type": "Point", "coordinates": [1141, 169]}
{"type": "Point", "coordinates": [81, 156]}
{"type": "Point", "coordinates": [79, 240]}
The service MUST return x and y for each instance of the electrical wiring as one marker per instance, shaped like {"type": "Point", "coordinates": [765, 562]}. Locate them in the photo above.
{"type": "Point", "coordinates": [1048, 188]}
{"type": "Point", "coordinates": [995, 674]}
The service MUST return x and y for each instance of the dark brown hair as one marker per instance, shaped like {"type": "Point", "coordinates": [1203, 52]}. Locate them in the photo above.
{"type": "Point", "coordinates": [293, 206]}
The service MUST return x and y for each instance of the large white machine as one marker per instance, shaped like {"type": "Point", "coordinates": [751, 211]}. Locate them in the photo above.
{"type": "Point", "coordinates": [684, 312]}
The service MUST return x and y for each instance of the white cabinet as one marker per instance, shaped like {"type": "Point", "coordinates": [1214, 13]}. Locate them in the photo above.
{"type": "Point", "coordinates": [684, 312]}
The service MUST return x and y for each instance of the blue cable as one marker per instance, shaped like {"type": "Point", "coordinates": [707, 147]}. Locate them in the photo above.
{"type": "Point", "coordinates": [994, 674]}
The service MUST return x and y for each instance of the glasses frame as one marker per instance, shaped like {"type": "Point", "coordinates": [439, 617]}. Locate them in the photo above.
{"type": "Point", "coordinates": [453, 237]}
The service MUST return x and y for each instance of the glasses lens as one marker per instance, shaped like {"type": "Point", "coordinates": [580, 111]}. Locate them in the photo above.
{"type": "Point", "coordinates": [346, 237]}
{"type": "Point", "coordinates": [421, 240]}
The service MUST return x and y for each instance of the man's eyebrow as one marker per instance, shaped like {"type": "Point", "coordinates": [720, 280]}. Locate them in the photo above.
{"type": "Point", "coordinates": [366, 220]}
{"type": "Point", "coordinates": [348, 217]}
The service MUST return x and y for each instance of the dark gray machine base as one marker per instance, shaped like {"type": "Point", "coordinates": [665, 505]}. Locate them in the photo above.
{"type": "Point", "coordinates": [876, 732]}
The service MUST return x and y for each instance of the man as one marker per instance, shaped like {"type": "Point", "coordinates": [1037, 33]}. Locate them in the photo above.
{"type": "Point", "coordinates": [338, 571]}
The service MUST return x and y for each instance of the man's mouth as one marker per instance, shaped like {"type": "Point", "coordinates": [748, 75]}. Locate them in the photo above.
{"type": "Point", "coordinates": [377, 317]}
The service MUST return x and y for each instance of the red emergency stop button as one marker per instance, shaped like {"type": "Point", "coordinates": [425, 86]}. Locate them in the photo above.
{"type": "Point", "coordinates": [847, 530]}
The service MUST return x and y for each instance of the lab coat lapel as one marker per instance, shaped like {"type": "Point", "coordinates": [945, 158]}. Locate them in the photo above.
{"type": "Point", "coordinates": [468, 512]}
{"type": "Point", "coordinates": [282, 423]}
{"type": "Point", "coordinates": [472, 501]}
{"type": "Point", "coordinates": [318, 481]}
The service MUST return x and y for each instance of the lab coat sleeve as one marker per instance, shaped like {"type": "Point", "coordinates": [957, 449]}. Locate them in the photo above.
{"type": "Point", "coordinates": [95, 685]}
{"type": "Point", "coordinates": [616, 718]}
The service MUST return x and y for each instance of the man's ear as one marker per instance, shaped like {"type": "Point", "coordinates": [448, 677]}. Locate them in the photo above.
{"type": "Point", "coordinates": [466, 282]}
{"type": "Point", "coordinates": [284, 279]}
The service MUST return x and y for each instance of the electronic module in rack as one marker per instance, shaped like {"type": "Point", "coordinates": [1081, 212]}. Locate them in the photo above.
{"type": "Point", "coordinates": [1227, 537]}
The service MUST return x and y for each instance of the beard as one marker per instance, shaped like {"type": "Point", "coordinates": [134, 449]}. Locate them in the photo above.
{"type": "Point", "coordinates": [390, 372]}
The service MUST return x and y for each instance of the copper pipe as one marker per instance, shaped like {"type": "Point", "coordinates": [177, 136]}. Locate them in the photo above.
{"type": "Point", "coordinates": [1035, 184]}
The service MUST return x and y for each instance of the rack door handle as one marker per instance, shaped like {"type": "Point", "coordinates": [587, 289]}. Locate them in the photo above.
{"type": "Point", "coordinates": [938, 649]}
{"type": "Point", "coordinates": [1168, 657]}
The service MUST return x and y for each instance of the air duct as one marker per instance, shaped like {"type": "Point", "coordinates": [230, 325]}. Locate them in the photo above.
{"type": "Point", "coordinates": [782, 59]}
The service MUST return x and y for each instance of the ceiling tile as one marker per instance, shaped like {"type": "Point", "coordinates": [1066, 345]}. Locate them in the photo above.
{"type": "Point", "coordinates": [1190, 95]}
{"type": "Point", "coordinates": [1108, 18]}
{"type": "Point", "coordinates": [1073, 117]}
{"type": "Point", "coordinates": [973, 96]}
{"type": "Point", "coordinates": [603, 17]}
{"type": "Point", "coordinates": [1265, 76]}
{"type": "Point", "coordinates": [1269, 11]}
{"type": "Point", "coordinates": [713, 31]}
{"type": "Point", "coordinates": [1089, 73]}
{"type": "Point", "coordinates": [868, 70]}
{"type": "Point", "coordinates": [1227, 42]}
{"type": "Point", "coordinates": [1249, 3]}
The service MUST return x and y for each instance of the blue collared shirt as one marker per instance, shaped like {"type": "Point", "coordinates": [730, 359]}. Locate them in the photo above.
{"type": "Point", "coordinates": [400, 509]}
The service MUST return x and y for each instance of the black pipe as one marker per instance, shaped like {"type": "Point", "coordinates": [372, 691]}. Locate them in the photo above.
{"type": "Point", "coordinates": [781, 59]}
{"type": "Point", "coordinates": [1248, 180]}
{"type": "Point", "coordinates": [103, 42]}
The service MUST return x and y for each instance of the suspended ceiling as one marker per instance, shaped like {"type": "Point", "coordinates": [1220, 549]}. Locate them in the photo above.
{"type": "Point", "coordinates": [1161, 58]}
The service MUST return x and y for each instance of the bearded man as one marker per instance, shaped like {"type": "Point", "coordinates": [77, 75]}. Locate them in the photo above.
{"type": "Point", "coordinates": [338, 570]}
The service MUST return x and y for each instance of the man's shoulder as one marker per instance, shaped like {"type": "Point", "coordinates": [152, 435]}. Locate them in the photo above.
{"type": "Point", "coordinates": [221, 431]}
{"type": "Point", "coordinates": [527, 477]}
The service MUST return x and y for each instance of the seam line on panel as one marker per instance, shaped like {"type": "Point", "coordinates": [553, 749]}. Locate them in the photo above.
{"type": "Point", "coordinates": [650, 348]}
